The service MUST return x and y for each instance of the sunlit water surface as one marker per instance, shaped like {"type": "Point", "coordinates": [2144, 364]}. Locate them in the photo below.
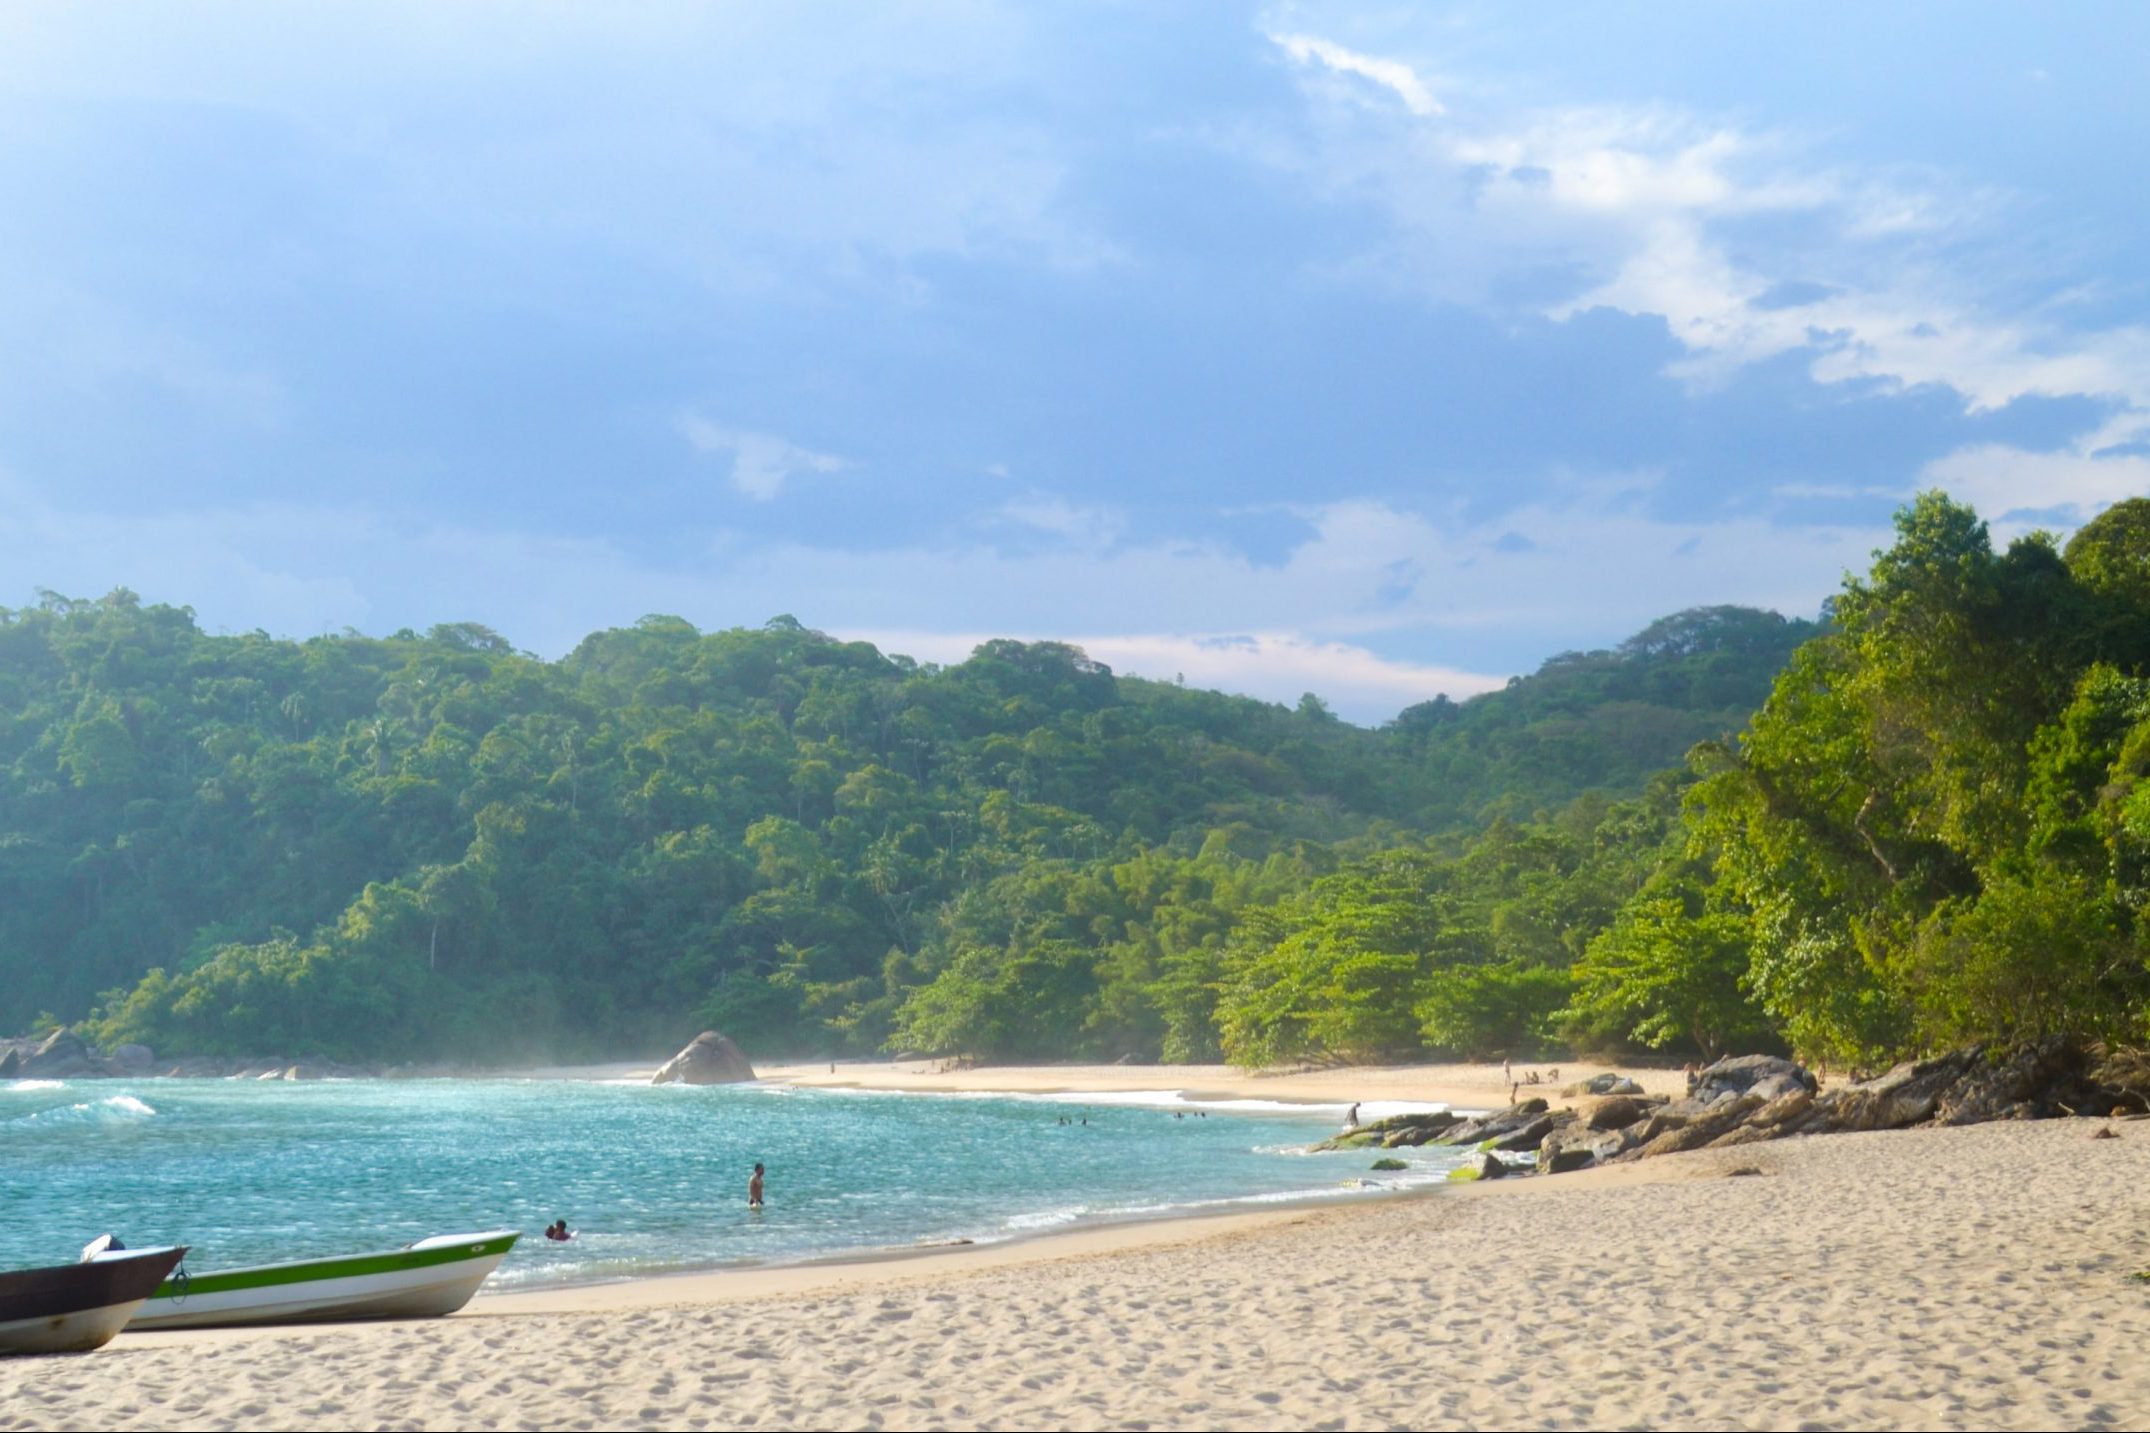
{"type": "Point", "coordinates": [652, 1178]}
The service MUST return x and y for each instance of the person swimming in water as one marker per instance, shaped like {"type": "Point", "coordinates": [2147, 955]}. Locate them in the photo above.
{"type": "Point", "coordinates": [754, 1189]}
{"type": "Point", "coordinates": [558, 1232]}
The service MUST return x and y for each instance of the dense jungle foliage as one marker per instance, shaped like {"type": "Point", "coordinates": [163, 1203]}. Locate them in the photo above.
{"type": "Point", "coordinates": [1935, 829]}
{"type": "Point", "coordinates": [433, 845]}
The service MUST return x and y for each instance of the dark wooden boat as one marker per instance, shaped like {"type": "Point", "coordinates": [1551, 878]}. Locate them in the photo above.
{"type": "Point", "coordinates": [73, 1308]}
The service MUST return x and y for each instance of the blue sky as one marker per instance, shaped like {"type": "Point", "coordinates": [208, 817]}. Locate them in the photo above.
{"type": "Point", "coordinates": [1371, 350]}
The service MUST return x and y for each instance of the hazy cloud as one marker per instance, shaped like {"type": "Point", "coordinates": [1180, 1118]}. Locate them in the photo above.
{"type": "Point", "coordinates": [761, 463]}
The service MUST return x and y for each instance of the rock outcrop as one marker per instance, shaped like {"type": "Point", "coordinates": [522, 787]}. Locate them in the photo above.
{"type": "Point", "coordinates": [1496, 1126]}
{"type": "Point", "coordinates": [1761, 1097]}
{"type": "Point", "coordinates": [1395, 1132]}
{"type": "Point", "coordinates": [1751, 1098]}
{"type": "Point", "coordinates": [1766, 1075]}
{"type": "Point", "coordinates": [1614, 1112]}
{"type": "Point", "coordinates": [62, 1056]}
{"type": "Point", "coordinates": [709, 1059]}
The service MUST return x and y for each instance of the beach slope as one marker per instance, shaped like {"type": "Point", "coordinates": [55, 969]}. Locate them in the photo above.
{"type": "Point", "coordinates": [1965, 1278]}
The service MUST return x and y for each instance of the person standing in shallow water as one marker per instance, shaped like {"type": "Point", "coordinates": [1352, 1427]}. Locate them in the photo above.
{"type": "Point", "coordinates": [754, 1189]}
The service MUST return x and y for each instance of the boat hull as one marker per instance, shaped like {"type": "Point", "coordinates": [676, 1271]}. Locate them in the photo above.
{"type": "Point", "coordinates": [427, 1280]}
{"type": "Point", "coordinates": [73, 1308]}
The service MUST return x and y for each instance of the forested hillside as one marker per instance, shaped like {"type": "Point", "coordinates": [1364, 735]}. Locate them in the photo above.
{"type": "Point", "coordinates": [429, 844]}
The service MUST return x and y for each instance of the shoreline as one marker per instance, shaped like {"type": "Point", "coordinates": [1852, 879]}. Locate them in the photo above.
{"type": "Point", "coordinates": [664, 1288]}
{"type": "Point", "coordinates": [1971, 1277]}
{"type": "Point", "coordinates": [1461, 1086]}
{"type": "Point", "coordinates": [1458, 1085]}
{"type": "Point", "coordinates": [988, 1245]}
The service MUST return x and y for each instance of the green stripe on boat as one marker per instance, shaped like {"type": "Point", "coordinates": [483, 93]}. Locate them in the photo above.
{"type": "Point", "coordinates": [313, 1271]}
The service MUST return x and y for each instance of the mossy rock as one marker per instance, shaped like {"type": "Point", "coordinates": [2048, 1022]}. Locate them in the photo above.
{"type": "Point", "coordinates": [1463, 1175]}
{"type": "Point", "coordinates": [1390, 1164]}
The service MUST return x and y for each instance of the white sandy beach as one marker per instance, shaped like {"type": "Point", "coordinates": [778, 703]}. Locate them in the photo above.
{"type": "Point", "coordinates": [1972, 1278]}
{"type": "Point", "coordinates": [1459, 1085]}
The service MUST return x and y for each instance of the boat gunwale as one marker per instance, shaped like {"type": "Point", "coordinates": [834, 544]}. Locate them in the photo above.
{"type": "Point", "coordinates": [337, 1266]}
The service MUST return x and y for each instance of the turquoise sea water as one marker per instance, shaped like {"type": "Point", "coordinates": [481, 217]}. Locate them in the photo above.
{"type": "Point", "coordinates": [653, 1178]}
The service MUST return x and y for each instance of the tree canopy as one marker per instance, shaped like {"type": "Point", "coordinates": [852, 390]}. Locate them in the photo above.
{"type": "Point", "coordinates": [426, 844]}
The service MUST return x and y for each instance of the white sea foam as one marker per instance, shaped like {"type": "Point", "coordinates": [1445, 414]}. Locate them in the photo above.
{"type": "Point", "coordinates": [24, 1086]}
{"type": "Point", "coordinates": [1046, 1218]}
{"type": "Point", "coordinates": [114, 1109]}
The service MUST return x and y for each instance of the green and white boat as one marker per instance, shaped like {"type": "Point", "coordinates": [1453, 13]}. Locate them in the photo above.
{"type": "Point", "coordinates": [419, 1281]}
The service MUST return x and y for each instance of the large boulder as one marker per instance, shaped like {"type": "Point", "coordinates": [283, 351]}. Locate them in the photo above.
{"type": "Point", "coordinates": [1530, 1135]}
{"type": "Point", "coordinates": [63, 1055]}
{"type": "Point", "coordinates": [2052, 1077]}
{"type": "Point", "coordinates": [133, 1059]}
{"type": "Point", "coordinates": [1906, 1095]}
{"type": "Point", "coordinates": [1740, 1074]}
{"type": "Point", "coordinates": [709, 1059]}
{"type": "Point", "coordinates": [1614, 1112]}
{"type": "Point", "coordinates": [1608, 1083]}
{"type": "Point", "coordinates": [1719, 1119]}
{"type": "Point", "coordinates": [1494, 1126]}
{"type": "Point", "coordinates": [10, 1062]}
{"type": "Point", "coordinates": [1574, 1146]}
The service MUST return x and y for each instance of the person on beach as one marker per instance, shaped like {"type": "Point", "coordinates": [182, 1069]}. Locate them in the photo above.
{"type": "Point", "coordinates": [1351, 1121]}
{"type": "Point", "coordinates": [754, 1189]}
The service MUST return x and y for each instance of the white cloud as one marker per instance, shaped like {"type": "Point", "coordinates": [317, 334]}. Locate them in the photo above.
{"type": "Point", "coordinates": [1394, 76]}
{"type": "Point", "coordinates": [1654, 209]}
{"type": "Point", "coordinates": [1998, 479]}
{"type": "Point", "coordinates": [761, 463]}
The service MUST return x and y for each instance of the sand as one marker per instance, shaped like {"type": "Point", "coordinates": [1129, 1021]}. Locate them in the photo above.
{"type": "Point", "coordinates": [1965, 1278]}
{"type": "Point", "coordinates": [1462, 1086]}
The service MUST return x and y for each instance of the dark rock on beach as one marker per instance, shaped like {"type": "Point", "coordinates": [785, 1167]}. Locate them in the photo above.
{"type": "Point", "coordinates": [709, 1059]}
{"type": "Point", "coordinates": [1486, 1166]}
{"type": "Point", "coordinates": [1605, 1084]}
{"type": "Point", "coordinates": [1395, 1132]}
{"type": "Point", "coordinates": [1757, 1098]}
{"type": "Point", "coordinates": [1532, 1134]}
{"type": "Point", "coordinates": [1496, 1126]}
{"type": "Point", "coordinates": [1748, 1099]}
{"type": "Point", "coordinates": [1766, 1075]}
{"type": "Point", "coordinates": [1615, 1112]}
{"type": "Point", "coordinates": [1566, 1150]}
